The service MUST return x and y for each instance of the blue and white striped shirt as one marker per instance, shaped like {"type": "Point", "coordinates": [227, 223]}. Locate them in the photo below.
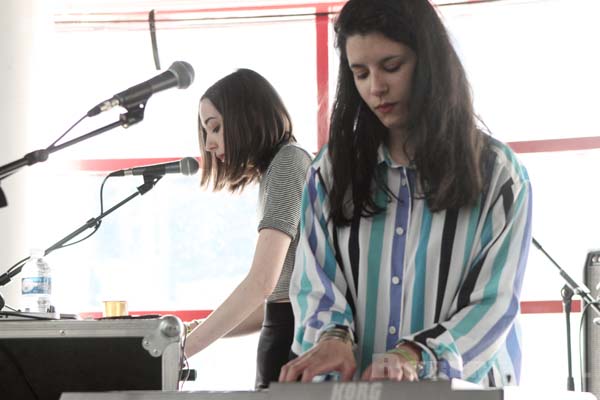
{"type": "Point", "coordinates": [447, 281]}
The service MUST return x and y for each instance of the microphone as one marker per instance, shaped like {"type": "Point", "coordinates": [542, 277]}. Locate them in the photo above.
{"type": "Point", "coordinates": [180, 74]}
{"type": "Point", "coordinates": [185, 166]}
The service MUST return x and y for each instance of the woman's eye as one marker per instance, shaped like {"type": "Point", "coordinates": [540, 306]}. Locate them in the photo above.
{"type": "Point", "coordinates": [360, 75]}
{"type": "Point", "coordinates": [216, 129]}
{"type": "Point", "coordinates": [392, 67]}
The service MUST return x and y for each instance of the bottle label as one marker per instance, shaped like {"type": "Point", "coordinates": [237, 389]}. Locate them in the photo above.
{"type": "Point", "coordinates": [36, 285]}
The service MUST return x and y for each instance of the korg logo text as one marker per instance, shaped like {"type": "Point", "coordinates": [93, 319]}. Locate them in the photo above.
{"type": "Point", "coordinates": [356, 391]}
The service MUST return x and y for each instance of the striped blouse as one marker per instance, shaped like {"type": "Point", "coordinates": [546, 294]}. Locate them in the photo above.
{"type": "Point", "coordinates": [447, 281]}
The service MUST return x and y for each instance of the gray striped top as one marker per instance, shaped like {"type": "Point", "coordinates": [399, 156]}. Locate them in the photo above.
{"type": "Point", "coordinates": [279, 200]}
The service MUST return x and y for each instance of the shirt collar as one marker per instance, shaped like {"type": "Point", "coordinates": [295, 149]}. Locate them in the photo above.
{"type": "Point", "coordinates": [383, 156]}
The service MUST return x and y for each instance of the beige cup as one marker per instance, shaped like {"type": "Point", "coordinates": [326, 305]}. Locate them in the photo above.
{"type": "Point", "coordinates": [115, 308]}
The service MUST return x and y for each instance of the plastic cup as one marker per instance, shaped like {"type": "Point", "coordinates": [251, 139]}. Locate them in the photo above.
{"type": "Point", "coordinates": [115, 308]}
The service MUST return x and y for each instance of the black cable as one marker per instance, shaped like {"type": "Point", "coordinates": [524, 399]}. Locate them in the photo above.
{"type": "Point", "coordinates": [65, 133]}
{"type": "Point", "coordinates": [6, 277]}
{"type": "Point", "coordinates": [152, 27]}
{"type": "Point", "coordinates": [102, 190]}
{"type": "Point", "coordinates": [25, 315]}
{"type": "Point", "coordinates": [183, 362]}
{"type": "Point", "coordinates": [7, 175]}
{"type": "Point", "coordinates": [98, 223]}
{"type": "Point", "coordinates": [23, 261]}
{"type": "Point", "coordinates": [82, 239]}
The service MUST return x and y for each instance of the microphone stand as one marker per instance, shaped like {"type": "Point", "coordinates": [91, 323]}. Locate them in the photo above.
{"type": "Point", "coordinates": [569, 289]}
{"type": "Point", "coordinates": [3, 202]}
{"type": "Point", "coordinates": [567, 295]}
{"type": "Point", "coordinates": [133, 115]}
{"type": "Point", "coordinates": [149, 182]}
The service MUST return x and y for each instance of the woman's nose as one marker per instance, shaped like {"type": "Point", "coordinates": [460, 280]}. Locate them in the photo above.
{"type": "Point", "coordinates": [211, 145]}
{"type": "Point", "coordinates": [378, 85]}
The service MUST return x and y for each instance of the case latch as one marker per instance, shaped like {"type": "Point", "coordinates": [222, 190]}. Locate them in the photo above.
{"type": "Point", "coordinates": [169, 330]}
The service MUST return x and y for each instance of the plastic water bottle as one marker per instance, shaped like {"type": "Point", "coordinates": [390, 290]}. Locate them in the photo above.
{"type": "Point", "coordinates": [36, 284]}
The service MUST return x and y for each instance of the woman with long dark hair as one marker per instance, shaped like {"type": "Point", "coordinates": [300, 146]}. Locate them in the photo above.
{"type": "Point", "coordinates": [416, 224]}
{"type": "Point", "coordinates": [246, 137]}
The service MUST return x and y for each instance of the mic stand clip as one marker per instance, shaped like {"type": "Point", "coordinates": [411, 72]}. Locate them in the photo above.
{"type": "Point", "coordinates": [134, 114]}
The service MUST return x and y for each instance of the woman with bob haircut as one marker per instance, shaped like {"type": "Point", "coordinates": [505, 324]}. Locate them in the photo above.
{"type": "Point", "coordinates": [245, 135]}
{"type": "Point", "coordinates": [415, 223]}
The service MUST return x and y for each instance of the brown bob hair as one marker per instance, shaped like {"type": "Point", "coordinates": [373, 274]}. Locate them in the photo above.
{"type": "Point", "coordinates": [255, 124]}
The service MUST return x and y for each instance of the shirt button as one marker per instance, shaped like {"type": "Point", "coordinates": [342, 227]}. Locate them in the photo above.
{"type": "Point", "coordinates": [392, 330]}
{"type": "Point", "coordinates": [400, 231]}
{"type": "Point", "coordinates": [395, 280]}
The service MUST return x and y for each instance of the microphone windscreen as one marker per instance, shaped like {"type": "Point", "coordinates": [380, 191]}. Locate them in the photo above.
{"type": "Point", "coordinates": [184, 73]}
{"type": "Point", "coordinates": [189, 166]}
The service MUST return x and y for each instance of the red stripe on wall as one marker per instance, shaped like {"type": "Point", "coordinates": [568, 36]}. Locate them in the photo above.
{"type": "Point", "coordinates": [319, 7]}
{"type": "Point", "coordinates": [117, 164]}
{"type": "Point", "coordinates": [322, 25]}
{"type": "Point", "coordinates": [527, 307]}
{"type": "Point", "coordinates": [547, 307]}
{"type": "Point", "coordinates": [184, 315]}
{"type": "Point", "coordinates": [551, 145]}
{"type": "Point", "coordinates": [532, 146]}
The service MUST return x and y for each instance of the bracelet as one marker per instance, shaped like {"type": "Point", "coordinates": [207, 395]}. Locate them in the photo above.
{"type": "Point", "coordinates": [405, 354]}
{"type": "Point", "coordinates": [415, 363]}
{"type": "Point", "coordinates": [336, 334]}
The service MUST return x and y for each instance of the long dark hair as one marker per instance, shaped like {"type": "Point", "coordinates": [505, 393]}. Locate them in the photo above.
{"type": "Point", "coordinates": [255, 124]}
{"type": "Point", "coordinates": [442, 133]}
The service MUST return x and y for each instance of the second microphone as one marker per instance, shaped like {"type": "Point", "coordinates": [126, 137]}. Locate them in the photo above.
{"type": "Point", "coordinates": [185, 166]}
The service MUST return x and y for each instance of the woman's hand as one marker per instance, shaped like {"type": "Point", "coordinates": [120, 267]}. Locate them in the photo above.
{"type": "Point", "coordinates": [400, 364]}
{"type": "Point", "coordinates": [327, 356]}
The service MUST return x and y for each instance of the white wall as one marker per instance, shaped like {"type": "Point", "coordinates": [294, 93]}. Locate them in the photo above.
{"type": "Point", "coordinates": [533, 67]}
{"type": "Point", "coordinates": [23, 45]}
